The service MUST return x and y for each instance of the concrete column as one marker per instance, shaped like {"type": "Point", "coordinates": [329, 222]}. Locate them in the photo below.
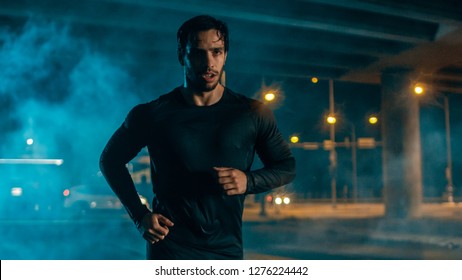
{"type": "Point", "coordinates": [402, 159]}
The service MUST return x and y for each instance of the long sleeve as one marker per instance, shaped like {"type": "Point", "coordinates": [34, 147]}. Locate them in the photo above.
{"type": "Point", "coordinates": [123, 146]}
{"type": "Point", "coordinates": [274, 152]}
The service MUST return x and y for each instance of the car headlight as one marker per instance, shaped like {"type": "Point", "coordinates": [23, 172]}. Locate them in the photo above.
{"type": "Point", "coordinates": [278, 200]}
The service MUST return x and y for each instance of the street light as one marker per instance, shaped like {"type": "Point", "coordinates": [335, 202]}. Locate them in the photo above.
{"type": "Point", "coordinates": [354, 171]}
{"type": "Point", "coordinates": [270, 96]}
{"type": "Point", "coordinates": [373, 119]}
{"type": "Point", "coordinates": [419, 89]}
{"type": "Point", "coordinates": [354, 144]}
{"type": "Point", "coordinates": [333, 153]}
{"type": "Point", "coordinates": [331, 119]}
{"type": "Point", "coordinates": [294, 139]}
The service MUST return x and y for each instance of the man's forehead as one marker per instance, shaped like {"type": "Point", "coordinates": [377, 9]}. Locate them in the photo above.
{"type": "Point", "coordinates": [212, 35]}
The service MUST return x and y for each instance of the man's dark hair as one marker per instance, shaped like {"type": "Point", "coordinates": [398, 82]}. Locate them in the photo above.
{"type": "Point", "coordinates": [191, 27]}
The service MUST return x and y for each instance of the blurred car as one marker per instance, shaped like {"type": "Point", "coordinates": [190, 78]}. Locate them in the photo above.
{"type": "Point", "coordinates": [278, 198]}
{"type": "Point", "coordinates": [81, 199]}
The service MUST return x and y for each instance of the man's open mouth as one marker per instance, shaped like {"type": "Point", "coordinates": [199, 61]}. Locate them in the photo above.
{"type": "Point", "coordinates": [209, 76]}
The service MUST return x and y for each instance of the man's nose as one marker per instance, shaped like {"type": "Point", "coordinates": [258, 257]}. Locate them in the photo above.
{"type": "Point", "coordinates": [209, 61]}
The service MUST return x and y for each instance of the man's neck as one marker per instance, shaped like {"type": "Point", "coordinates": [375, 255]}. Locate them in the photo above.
{"type": "Point", "coordinates": [207, 98]}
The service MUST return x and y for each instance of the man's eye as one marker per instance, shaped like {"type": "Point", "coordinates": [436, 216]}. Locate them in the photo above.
{"type": "Point", "coordinates": [217, 52]}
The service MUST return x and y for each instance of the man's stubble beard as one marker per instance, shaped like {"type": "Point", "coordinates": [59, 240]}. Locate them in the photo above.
{"type": "Point", "coordinates": [202, 87]}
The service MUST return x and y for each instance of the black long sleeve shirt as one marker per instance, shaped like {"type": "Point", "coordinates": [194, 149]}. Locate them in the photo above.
{"type": "Point", "coordinates": [185, 142]}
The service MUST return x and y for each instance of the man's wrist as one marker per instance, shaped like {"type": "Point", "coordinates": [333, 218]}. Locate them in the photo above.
{"type": "Point", "coordinates": [250, 183]}
{"type": "Point", "coordinates": [139, 220]}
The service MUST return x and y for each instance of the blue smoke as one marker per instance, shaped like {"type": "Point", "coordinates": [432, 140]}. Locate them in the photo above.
{"type": "Point", "coordinates": [60, 92]}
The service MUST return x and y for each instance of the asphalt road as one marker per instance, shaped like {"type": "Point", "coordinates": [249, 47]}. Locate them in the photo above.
{"type": "Point", "coordinates": [334, 239]}
{"type": "Point", "coordinates": [114, 237]}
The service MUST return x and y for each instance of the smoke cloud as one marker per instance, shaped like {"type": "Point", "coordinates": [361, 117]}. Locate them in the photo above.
{"type": "Point", "coordinates": [56, 90]}
{"type": "Point", "coordinates": [68, 98]}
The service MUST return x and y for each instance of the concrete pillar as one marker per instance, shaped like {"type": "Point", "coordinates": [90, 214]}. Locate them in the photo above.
{"type": "Point", "coordinates": [402, 158]}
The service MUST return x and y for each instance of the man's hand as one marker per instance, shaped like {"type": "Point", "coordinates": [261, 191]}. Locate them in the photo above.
{"type": "Point", "coordinates": [154, 227]}
{"type": "Point", "coordinates": [233, 181]}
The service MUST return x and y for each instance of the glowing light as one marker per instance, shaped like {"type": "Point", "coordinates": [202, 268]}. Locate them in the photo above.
{"type": "Point", "coordinates": [314, 80]}
{"type": "Point", "coordinates": [270, 96]}
{"type": "Point", "coordinates": [286, 200]}
{"type": "Point", "coordinates": [331, 120]}
{"type": "Point", "coordinates": [31, 161]}
{"type": "Point", "coordinates": [16, 191]}
{"type": "Point", "coordinates": [143, 200]}
{"type": "Point", "coordinates": [278, 200]}
{"type": "Point", "coordinates": [66, 192]}
{"type": "Point", "coordinates": [373, 119]}
{"type": "Point", "coordinates": [30, 141]}
{"type": "Point", "coordinates": [418, 89]}
{"type": "Point", "coordinates": [294, 139]}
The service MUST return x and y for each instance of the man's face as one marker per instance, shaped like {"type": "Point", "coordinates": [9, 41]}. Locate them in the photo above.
{"type": "Point", "coordinates": [204, 59]}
